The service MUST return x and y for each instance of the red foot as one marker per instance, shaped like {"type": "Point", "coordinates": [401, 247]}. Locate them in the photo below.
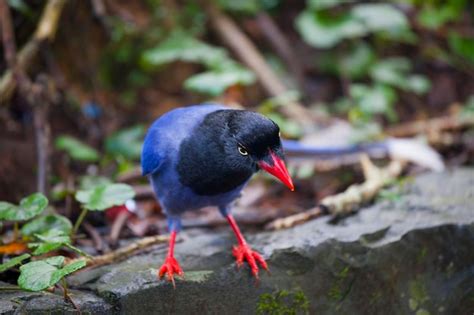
{"type": "Point", "coordinates": [170, 267]}
{"type": "Point", "coordinates": [244, 252]}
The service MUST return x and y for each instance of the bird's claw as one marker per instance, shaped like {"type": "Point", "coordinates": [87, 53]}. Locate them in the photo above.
{"type": "Point", "coordinates": [244, 252]}
{"type": "Point", "coordinates": [170, 267]}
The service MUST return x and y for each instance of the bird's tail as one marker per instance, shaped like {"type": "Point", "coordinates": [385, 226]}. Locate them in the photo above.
{"type": "Point", "coordinates": [407, 149]}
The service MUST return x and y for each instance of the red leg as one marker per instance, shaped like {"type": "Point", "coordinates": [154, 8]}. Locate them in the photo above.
{"type": "Point", "coordinates": [242, 251]}
{"type": "Point", "coordinates": [171, 265]}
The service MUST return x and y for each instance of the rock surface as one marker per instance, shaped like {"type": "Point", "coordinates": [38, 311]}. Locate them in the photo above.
{"type": "Point", "coordinates": [413, 254]}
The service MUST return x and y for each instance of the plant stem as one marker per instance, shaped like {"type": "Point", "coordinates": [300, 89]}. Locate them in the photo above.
{"type": "Point", "coordinates": [67, 297]}
{"type": "Point", "coordinates": [15, 231]}
{"type": "Point", "coordinates": [79, 221]}
{"type": "Point", "coordinates": [64, 285]}
{"type": "Point", "coordinates": [13, 287]}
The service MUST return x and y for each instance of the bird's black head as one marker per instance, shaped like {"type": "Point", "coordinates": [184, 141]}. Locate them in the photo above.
{"type": "Point", "coordinates": [227, 148]}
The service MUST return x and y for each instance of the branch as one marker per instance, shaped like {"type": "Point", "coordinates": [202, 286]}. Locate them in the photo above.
{"type": "Point", "coordinates": [124, 252]}
{"type": "Point", "coordinates": [432, 126]}
{"type": "Point", "coordinates": [282, 47]}
{"type": "Point", "coordinates": [45, 31]}
{"type": "Point", "coordinates": [233, 37]}
{"type": "Point", "coordinates": [349, 200]}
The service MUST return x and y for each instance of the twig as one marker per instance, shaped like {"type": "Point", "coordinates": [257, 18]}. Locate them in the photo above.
{"type": "Point", "coordinates": [95, 235]}
{"type": "Point", "coordinates": [117, 226]}
{"type": "Point", "coordinates": [349, 200]}
{"type": "Point", "coordinates": [9, 46]}
{"type": "Point", "coordinates": [128, 176]}
{"type": "Point", "coordinates": [278, 41]}
{"type": "Point", "coordinates": [143, 191]}
{"type": "Point", "coordinates": [67, 296]}
{"type": "Point", "coordinates": [124, 252]}
{"type": "Point", "coordinates": [45, 31]}
{"type": "Point", "coordinates": [233, 37]}
{"type": "Point", "coordinates": [434, 125]}
{"type": "Point", "coordinates": [43, 136]}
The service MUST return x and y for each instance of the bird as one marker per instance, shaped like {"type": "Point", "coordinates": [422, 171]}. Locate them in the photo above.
{"type": "Point", "coordinates": [204, 155]}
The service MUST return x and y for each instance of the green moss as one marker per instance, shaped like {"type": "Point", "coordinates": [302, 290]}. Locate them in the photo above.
{"type": "Point", "coordinates": [421, 256]}
{"type": "Point", "coordinates": [340, 289]}
{"type": "Point", "coordinates": [283, 302]}
{"type": "Point", "coordinates": [418, 296]}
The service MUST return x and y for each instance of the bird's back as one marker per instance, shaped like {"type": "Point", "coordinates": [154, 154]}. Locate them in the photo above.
{"type": "Point", "coordinates": [167, 132]}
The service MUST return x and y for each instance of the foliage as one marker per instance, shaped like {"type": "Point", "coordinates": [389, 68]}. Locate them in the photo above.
{"type": "Point", "coordinates": [43, 274]}
{"type": "Point", "coordinates": [222, 72]}
{"type": "Point", "coordinates": [44, 234]}
{"type": "Point", "coordinates": [334, 25]}
{"type": "Point", "coordinates": [76, 149]}
{"type": "Point", "coordinates": [28, 208]}
{"type": "Point", "coordinates": [14, 262]}
{"type": "Point", "coordinates": [126, 142]}
{"type": "Point", "coordinates": [283, 302]}
{"type": "Point", "coordinates": [102, 197]}
{"type": "Point", "coordinates": [43, 224]}
{"type": "Point", "coordinates": [323, 29]}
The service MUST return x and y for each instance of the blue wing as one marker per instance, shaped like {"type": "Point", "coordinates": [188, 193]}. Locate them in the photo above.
{"type": "Point", "coordinates": [166, 133]}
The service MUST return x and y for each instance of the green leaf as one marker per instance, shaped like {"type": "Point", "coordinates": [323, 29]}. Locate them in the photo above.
{"type": "Point", "coordinates": [418, 84]}
{"type": "Point", "coordinates": [90, 181]}
{"type": "Point", "coordinates": [326, 4]}
{"type": "Point", "coordinates": [13, 262]}
{"type": "Point", "coordinates": [216, 82]}
{"type": "Point", "coordinates": [46, 223]}
{"type": "Point", "coordinates": [462, 46]}
{"type": "Point", "coordinates": [29, 207]}
{"type": "Point", "coordinates": [181, 47]}
{"type": "Point", "coordinates": [380, 17]}
{"type": "Point", "coordinates": [105, 196]}
{"type": "Point", "coordinates": [76, 149]}
{"type": "Point", "coordinates": [325, 32]}
{"type": "Point", "coordinates": [434, 16]}
{"type": "Point", "coordinates": [42, 274]}
{"type": "Point", "coordinates": [378, 99]}
{"type": "Point", "coordinates": [127, 142]}
{"type": "Point", "coordinates": [241, 6]}
{"type": "Point", "coordinates": [357, 62]}
{"type": "Point", "coordinates": [49, 241]}
{"type": "Point", "coordinates": [394, 71]}
{"type": "Point", "coordinates": [391, 71]}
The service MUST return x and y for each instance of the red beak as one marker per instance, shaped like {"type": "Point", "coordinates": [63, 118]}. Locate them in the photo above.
{"type": "Point", "coordinates": [278, 169]}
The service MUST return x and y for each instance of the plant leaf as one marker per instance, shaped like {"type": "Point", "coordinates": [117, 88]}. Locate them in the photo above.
{"type": "Point", "coordinates": [378, 99]}
{"type": "Point", "coordinates": [462, 46]}
{"type": "Point", "coordinates": [29, 207]}
{"type": "Point", "coordinates": [13, 262]}
{"type": "Point", "coordinates": [49, 241]}
{"type": "Point", "coordinates": [357, 62]}
{"type": "Point", "coordinates": [216, 82]}
{"type": "Point", "coordinates": [127, 142]}
{"type": "Point", "coordinates": [326, 4]}
{"type": "Point", "coordinates": [379, 17]}
{"type": "Point", "coordinates": [179, 46]}
{"type": "Point", "coordinates": [105, 196]}
{"type": "Point", "coordinates": [45, 223]}
{"type": "Point", "coordinates": [76, 149]}
{"type": "Point", "coordinates": [325, 32]}
{"type": "Point", "coordinates": [90, 181]}
{"type": "Point", "coordinates": [42, 274]}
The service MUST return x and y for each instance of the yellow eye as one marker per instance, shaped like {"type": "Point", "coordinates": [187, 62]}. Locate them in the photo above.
{"type": "Point", "coordinates": [243, 151]}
